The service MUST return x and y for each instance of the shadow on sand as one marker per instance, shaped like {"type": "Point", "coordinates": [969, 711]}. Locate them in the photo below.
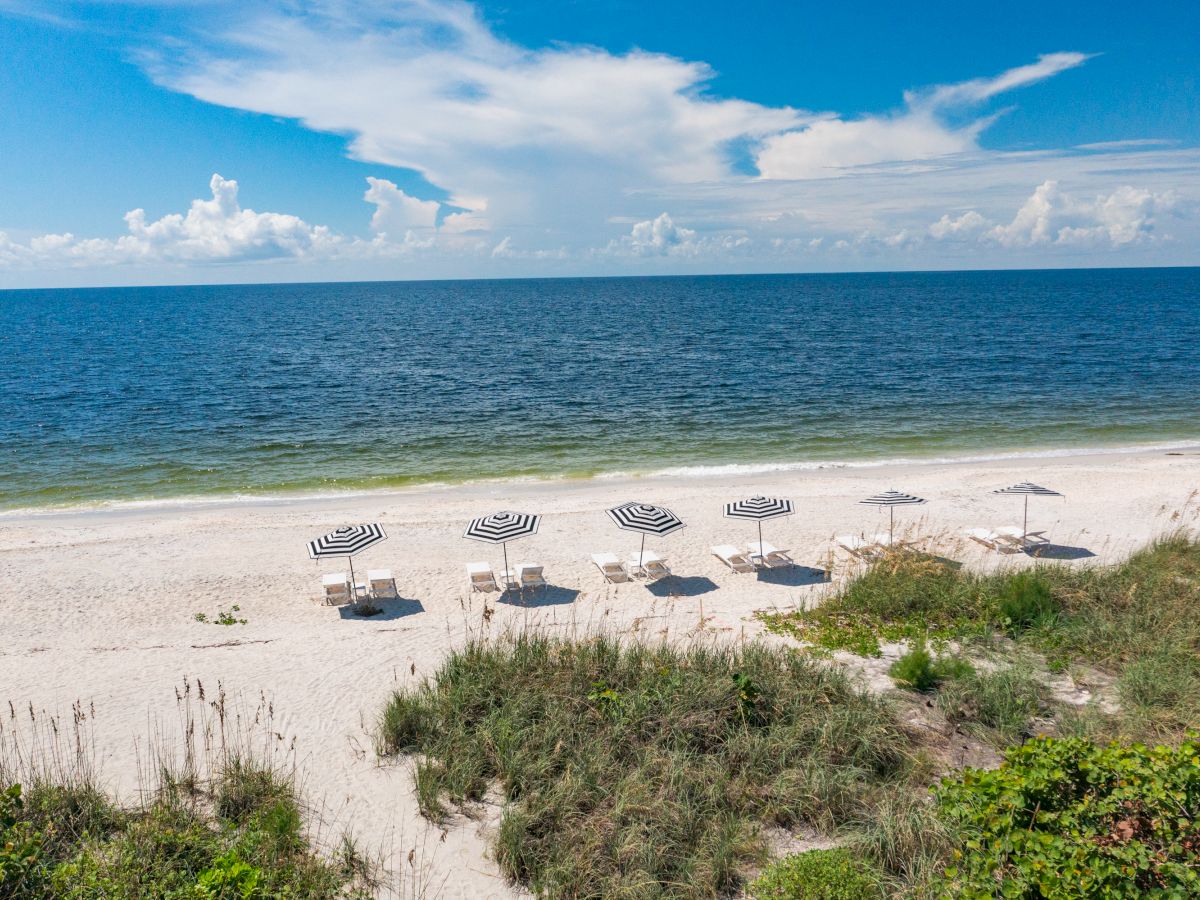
{"type": "Point", "coordinates": [1059, 551]}
{"type": "Point", "coordinates": [793, 576]}
{"type": "Point", "coordinates": [681, 586]}
{"type": "Point", "coordinates": [397, 608]}
{"type": "Point", "coordinates": [531, 598]}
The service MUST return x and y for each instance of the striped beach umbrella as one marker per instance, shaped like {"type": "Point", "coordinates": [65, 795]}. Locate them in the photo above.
{"type": "Point", "coordinates": [759, 509]}
{"type": "Point", "coordinates": [347, 541]}
{"type": "Point", "coordinates": [1028, 489]}
{"type": "Point", "coordinates": [645, 518]}
{"type": "Point", "coordinates": [502, 527]}
{"type": "Point", "coordinates": [892, 499]}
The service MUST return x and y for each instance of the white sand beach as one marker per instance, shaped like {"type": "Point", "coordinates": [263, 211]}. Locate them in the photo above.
{"type": "Point", "coordinates": [99, 606]}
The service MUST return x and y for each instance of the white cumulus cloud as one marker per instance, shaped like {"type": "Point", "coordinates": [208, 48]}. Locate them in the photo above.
{"type": "Point", "coordinates": [661, 237]}
{"type": "Point", "coordinates": [214, 230]}
{"type": "Point", "coordinates": [969, 224]}
{"type": "Point", "coordinates": [397, 212]}
{"type": "Point", "coordinates": [1052, 216]}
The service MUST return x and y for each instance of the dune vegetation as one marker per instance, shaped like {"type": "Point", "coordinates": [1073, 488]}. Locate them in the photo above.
{"type": "Point", "coordinates": [627, 770]}
{"type": "Point", "coordinates": [217, 816]}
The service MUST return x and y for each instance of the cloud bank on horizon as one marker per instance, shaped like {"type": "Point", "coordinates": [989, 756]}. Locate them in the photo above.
{"type": "Point", "coordinates": [573, 159]}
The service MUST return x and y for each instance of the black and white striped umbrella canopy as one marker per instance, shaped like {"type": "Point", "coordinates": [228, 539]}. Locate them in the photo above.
{"type": "Point", "coordinates": [501, 527]}
{"type": "Point", "coordinates": [645, 518]}
{"type": "Point", "coordinates": [759, 508]}
{"type": "Point", "coordinates": [1027, 487]}
{"type": "Point", "coordinates": [892, 498]}
{"type": "Point", "coordinates": [346, 541]}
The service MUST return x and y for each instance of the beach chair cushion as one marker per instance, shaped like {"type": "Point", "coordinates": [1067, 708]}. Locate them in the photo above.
{"type": "Point", "coordinates": [336, 583]}
{"type": "Point", "coordinates": [482, 577]}
{"type": "Point", "coordinates": [381, 583]}
{"type": "Point", "coordinates": [733, 557]}
{"type": "Point", "coordinates": [530, 575]}
{"type": "Point", "coordinates": [610, 566]}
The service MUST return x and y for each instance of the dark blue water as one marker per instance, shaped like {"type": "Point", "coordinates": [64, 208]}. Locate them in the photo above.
{"type": "Point", "coordinates": [120, 394]}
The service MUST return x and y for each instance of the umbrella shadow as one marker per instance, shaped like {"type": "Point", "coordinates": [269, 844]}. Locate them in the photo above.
{"type": "Point", "coordinates": [550, 595]}
{"type": "Point", "coordinates": [397, 608]}
{"type": "Point", "coordinates": [793, 576]}
{"type": "Point", "coordinates": [681, 586]}
{"type": "Point", "coordinates": [1059, 551]}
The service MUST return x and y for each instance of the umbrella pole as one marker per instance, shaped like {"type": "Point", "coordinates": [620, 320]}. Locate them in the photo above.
{"type": "Point", "coordinates": [642, 553]}
{"type": "Point", "coordinates": [353, 582]}
{"type": "Point", "coordinates": [760, 549]}
{"type": "Point", "coordinates": [1025, 524]}
{"type": "Point", "coordinates": [504, 547]}
{"type": "Point", "coordinates": [892, 525]}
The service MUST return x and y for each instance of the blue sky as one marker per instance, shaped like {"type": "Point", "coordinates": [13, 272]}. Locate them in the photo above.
{"type": "Point", "coordinates": [425, 139]}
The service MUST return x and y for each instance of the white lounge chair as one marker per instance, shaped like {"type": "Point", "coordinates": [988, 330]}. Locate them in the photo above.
{"type": "Point", "coordinates": [381, 584]}
{"type": "Point", "coordinates": [769, 555]}
{"type": "Point", "coordinates": [1021, 539]}
{"type": "Point", "coordinates": [610, 567]}
{"type": "Point", "coordinates": [987, 538]}
{"type": "Point", "coordinates": [653, 565]}
{"type": "Point", "coordinates": [859, 547]}
{"type": "Point", "coordinates": [337, 587]}
{"type": "Point", "coordinates": [733, 557]}
{"type": "Point", "coordinates": [530, 576]}
{"type": "Point", "coordinates": [482, 577]}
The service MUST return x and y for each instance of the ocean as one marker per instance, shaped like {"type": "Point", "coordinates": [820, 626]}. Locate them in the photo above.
{"type": "Point", "coordinates": [131, 395]}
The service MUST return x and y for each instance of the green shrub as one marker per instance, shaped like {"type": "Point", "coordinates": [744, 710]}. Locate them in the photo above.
{"type": "Point", "coordinates": [228, 878]}
{"type": "Point", "coordinates": [21, 864]}
{"type": "Point", "coordinates": [639, 771]}
{"type": "Point", "coordinates": [920, 671]}
{"type": "Point", "coordinates": [235, 838]}
{"type": "Point", "coordinates": [1004, 701]}
{"type": "Point", "coordinates": [1025, 601]}
{"type": "Point", "coordinates": [818, 875]}
{"type": "Point", "coordinates": [1069, 819]}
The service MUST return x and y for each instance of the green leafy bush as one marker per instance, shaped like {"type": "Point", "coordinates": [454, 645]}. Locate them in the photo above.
{"type": "Point", "coordinates": [919, 670]}
{"type": "Point", "coordinates": [228, 878]}
{"type": "Point", "coordinates": [818, 875]}
{"type": "Point", "coordinates": [1070, 819]}
{"type": "Point", "coordinates": [1025, 601]}
{"type": "Point", "coordinates": [21, 866]}
{"type": "Point", "coordinates": [235, 838]}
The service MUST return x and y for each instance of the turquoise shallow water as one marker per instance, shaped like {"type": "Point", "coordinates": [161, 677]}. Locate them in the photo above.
{"type": "Point", "coordinates": [160, 393]}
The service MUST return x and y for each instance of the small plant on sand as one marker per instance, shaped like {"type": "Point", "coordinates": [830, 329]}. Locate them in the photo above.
{"type": "Point", "coordinates": [920, 671]}
{"type": "Point", "coordinates": [366, 609]}
{"type": "Point", "coordinates": [223, 617]}
{"type": "Point", "coordinates": [819, 875]}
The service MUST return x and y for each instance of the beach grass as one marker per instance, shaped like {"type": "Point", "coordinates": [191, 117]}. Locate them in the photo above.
{"type": "Point", "coordinates": [238, 836]}
{"type": "Point", "coordinates": [215, 817]}
{"type": "Point", "coordinates": [633, 770]}
{"type": "Point", "coordinates": [1135, 621]}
